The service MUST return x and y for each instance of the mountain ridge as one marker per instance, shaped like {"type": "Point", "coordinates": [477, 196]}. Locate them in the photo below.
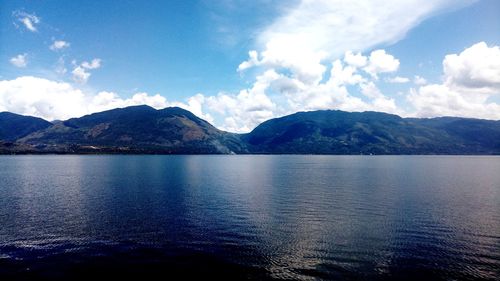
{"type": "Point", "coordinates": [173, 130]}
{"type": "Point", "coordinates": [340, 132]}
{"type": "Point", "coordinates": [14, 126]}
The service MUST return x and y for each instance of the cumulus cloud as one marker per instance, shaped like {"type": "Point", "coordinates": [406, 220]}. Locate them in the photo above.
{"type": "Point", "coordinates": [109, 100]}
{"type": "Point", "coordinates": [440, 100]}
{"type": "Point", "coordinates": [19, 60]}
{"type": "Point", "coordinates": [476, 68]}
{"type": "Point", "coordinates": [252, 61]}
{"type": "Point", "coordinates": [300, 47]}
{"type": "Point", "coordinates": [29, 21]}
{"type": "Point", "coordinates": [419, 80]}
{"type": "Point", "coordinates": [470, 79]}
{"type": "Point", "coordinates": [245, 110]}
{"type": "Point", "coordinates": [81, 72]}
{"type": "Point", "coordinates": [381, 62]}
{"type": "Point", "coordinates": [53, 100]}
{"type": "Point", "coordinates": [345, 74]}
{"type": "Point", "coordinates": [356, 60]}
{"type": "Point", "coordinates": [379, 101]}
{"type": "Point", "coordinates": [40, 97]}
{"type": "Point", "coordinates": [80, 75]}
{"type": "Point", "coordinates": [276, 93]}
{"type": "Point", "coordinates": [59, 45]}
{"type": "Point", "coordinates": [94, 64]}
{"type": "Point", "coordinates": [194, 104]}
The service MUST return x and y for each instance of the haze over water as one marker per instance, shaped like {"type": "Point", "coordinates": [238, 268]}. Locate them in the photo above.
{"type": "Point", "coordinates": [258, 217]}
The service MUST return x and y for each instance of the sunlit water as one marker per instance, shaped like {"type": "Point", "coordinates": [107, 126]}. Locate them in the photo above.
{"type": "Point", "coordinates": [250, 217]}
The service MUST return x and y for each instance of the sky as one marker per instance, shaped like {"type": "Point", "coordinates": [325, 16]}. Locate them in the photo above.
{"type": "Point", "coordinates": [238, 63]}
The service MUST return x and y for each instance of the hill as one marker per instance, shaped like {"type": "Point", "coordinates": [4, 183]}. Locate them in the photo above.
{"type": "Point", "coordinates": [14, 126]}
{"type": "Point", "coordinates": [136, 129]}
{"type": "Point", "coordinates": [339, 132]}
{"type": "Point", "coordinates": [142, 129]}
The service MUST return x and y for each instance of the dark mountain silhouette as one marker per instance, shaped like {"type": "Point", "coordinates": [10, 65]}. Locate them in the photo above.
{"type": "Point", "coordinates": [136, 129]}
{"type": "Point", "coordinates": [15, 126]}
{"type": "Point", "coordinates": [142, 129]}
{"type": "Point", "coordinates": [339, 132]}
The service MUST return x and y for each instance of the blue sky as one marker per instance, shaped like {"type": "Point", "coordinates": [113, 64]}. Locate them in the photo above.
{"type": "Point", "coordinates": [176, 48]}
{"type": "Point", "coordinates": [61, 59]}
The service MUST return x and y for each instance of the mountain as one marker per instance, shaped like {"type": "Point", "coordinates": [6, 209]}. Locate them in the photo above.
{"type": "Point", "coordinates": [142, 129]}
{"type": "Point", "coordinates": [135, 129]}
{"type": "Point", "coordinates": [14, 126]}
{"type": "Point", "coordinates": [338, 132]}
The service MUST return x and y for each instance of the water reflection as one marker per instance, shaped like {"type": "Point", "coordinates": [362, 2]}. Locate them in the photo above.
{"type": "Point", "coordinates": [290, 217]}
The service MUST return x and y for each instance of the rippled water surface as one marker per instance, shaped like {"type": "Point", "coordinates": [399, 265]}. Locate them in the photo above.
{"type": "Point", "coordinates": [250, 217]}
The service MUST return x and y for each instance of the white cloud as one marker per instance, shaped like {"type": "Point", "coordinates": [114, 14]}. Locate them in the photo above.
{"type": "Point", "coordinates": [275, 94]}
{"type": "Point", "coordinates": [341, 74]}
{"type": "Point", "coordinates": [356, 60]}
{"type": "Point", "coordinates": [419, 80]}
{"type": "Point", "coordinates": [108, 100]}
{"type": "Point", "coordinates": [195, 105]}
{"type": "Point", "coordinates": [477, 67]}
{"type": "Point", "coordinates": [29, 21]}
{"type": "Point", "coordinates": [53, 100]}
{"type": "Point", "coordinates": [319, 30]}
{"type": "Point", "coordinates": [40, 97]}
{"type": "Point", "coordinates": [440, 100]}
{"type": "Point", "coordinates": [252, 61]}
{"type": "Point", "coordinates": [398, 80]}
{"type": "Point", "coordinates": [94, 64]}
{"type": "Point", "coordinates": [370, 90]}
{"type": "Point", "coordinates": [379, 101]}
{"type": "Point", "coordinates": [59, 45]}
{"type": "Point", "coordinates": [303, 64]}
{"type": "Point", "coordinates": [245, 110]}
{"type": "Point", "coordinates": [470, 79]}
{"type": "Point", "coordinates": [292, 57]}
{"type": "Point", "coordinates": [81, 72]}
{"type": "Point", "coordinates": [19, 60]}
{"type": "Point", "coordinates": [381, 62]}
{"type": "Point", "coordinates": [80, 75]}
{"type": "Point", "coordinates": [299, 45]}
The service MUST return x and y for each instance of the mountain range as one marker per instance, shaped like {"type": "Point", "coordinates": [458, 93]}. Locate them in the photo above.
{"type": "Point", "coordinates": [143, 129]}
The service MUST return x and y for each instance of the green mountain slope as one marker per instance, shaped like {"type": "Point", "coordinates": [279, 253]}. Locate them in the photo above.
{"type": "Point", "coordinates": [142, 129]}
{"type": "Point", "coordinates": [338, 132]}
{"type": "Point", "coordinates": [136, 129]}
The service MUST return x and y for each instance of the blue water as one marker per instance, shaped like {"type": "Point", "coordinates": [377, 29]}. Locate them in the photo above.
{"type": "Point", "coordinates": [250, 217]}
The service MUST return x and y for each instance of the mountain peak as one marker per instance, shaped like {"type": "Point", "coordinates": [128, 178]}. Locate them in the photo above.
{"type": "Point", "coordinates": [141, 106]}
{"type": "Point", "coordinates": [135, 129]}
{"type": "Point", "coordinates": [14, 126]}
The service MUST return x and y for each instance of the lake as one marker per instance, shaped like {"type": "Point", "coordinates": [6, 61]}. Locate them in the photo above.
{"type": "Point", "coordinates": [250, 217]}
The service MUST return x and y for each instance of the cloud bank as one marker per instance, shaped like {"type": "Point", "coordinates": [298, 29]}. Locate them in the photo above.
{"type": "Point", "coordinates": [52, 100]}
{"type": "Point", "coordinates": [470, 79]}
{"type": "Point", "coordinates": [470, 82]}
